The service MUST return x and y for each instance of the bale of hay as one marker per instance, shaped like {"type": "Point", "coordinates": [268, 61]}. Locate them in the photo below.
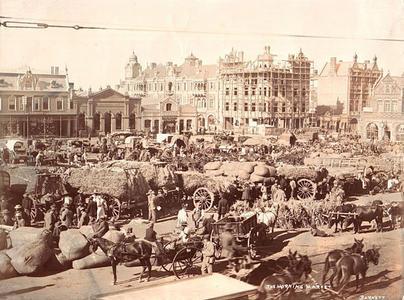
{"type": "Point", "coordinates": [214, 172]}
{"type": "Point", "coordinates": [94, 260]}
{"type": "Point", "coordinates": [6, 268]}
{"type": "Point", "coordinates": [194, 180]}
{"type": "Point", "coordinates": [73, 244]}
{"type": "Point", "coordinates": [261, 170]}
{"type": "Point", "coordinates": [31, 256]}
{"type": "Point", "coordinates": [23, 235]}
{"type": "Point", "coordinates": [256, 178]}
{"type": "Point", "coordinates": [213, 165]}
{"type": "Point", "coordinates": [296, 172]}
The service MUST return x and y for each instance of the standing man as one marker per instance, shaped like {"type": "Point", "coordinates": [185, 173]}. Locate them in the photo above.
{"type": "Point", "coordinates": [182, 216]}
{"type": "Point", "coordinates": [223, 207]}
{"type": "Point", "coordinates": [27, 204]}
{"type": "Point", "coordinates": [208, 253]}
{"type": "Point", "coordinates": [101, 205]}
{"type": "Point", "coordinates": [92, 210]}
{"type": "Point", "coordinates": [247, 195]}
{"type": "Point", "coordinates": [152, 204]}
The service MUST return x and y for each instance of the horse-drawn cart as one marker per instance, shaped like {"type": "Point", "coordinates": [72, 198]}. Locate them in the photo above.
{"type": "Point", "coordinates": [182, 259]}
{"type": "Point", "coordinates": [243, 228]}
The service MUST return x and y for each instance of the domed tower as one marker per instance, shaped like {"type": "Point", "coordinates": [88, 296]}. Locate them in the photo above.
{"type": "Point", "coordinates": [133, 68]}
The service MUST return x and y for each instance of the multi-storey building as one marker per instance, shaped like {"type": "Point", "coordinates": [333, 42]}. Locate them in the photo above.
{"type": "Point", "coordinates": [174, 98]}
{"type": "Point", "coordinates": [263, 92]}
{"type": "Point", "coordinates": [383, 116]}
{"type": "Point", "coordinates": [350, 83]}
{"type": "Point", "coordinates": [36, 104]}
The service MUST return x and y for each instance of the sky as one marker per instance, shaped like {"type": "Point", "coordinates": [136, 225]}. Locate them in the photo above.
{"type": "Point", "coordinates": [96, 58]}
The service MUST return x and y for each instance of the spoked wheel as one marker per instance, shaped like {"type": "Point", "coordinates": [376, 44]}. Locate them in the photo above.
{"type": "Point", "coordinates": [168, 250]}
{"type": "Point", "coordinates": [252, 243]}
{"type": "Point", "coordinates": [306, 189]}
{"type": "Point", "coordinates": [184, 262]}
{"type": "Point", "coordinates": [33, 213]}
{"type": "Point", "coordinates": [204, 197]}
{"type": "Point", "coordinates": [115, 208]}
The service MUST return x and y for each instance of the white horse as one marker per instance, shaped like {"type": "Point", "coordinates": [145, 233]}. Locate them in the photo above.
{"type": "Point", "coordinates": [268, 216]}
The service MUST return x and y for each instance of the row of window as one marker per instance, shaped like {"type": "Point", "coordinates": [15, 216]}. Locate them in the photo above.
{"type": "Point", "coordinates": [263, 108]}
{"type": "Point", "coordinates": [195, 86]}
{"type": "Point", "coordinates": [264, 92]}
{"type": "Point", "coordinates": [387, 106]}
{"type": "Point", "coordinates": [36, 103]}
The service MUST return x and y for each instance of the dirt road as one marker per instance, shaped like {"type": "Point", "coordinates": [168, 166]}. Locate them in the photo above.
{"type": "Point", "coordinates": [385, 279]}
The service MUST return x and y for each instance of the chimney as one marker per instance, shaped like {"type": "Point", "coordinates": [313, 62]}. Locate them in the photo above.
{"type": "Point", "coordinates": [333, 65]}
{"type": "Point", "coordinates": [153, 65]}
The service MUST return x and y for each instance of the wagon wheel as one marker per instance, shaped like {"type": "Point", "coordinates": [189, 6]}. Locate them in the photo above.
{"type": "Point", "coordinates": [184, 262]}
{"type": "Point", "coordinates": [205, 197]}
{"type": "Point", "coordinates": [167, 264]}
{"type": "Point", "coordinates": [306, 189]}
{"type": "Point", "coordinates": [115, 208]}
{"type": "Point", "coordinates": [252, 243]}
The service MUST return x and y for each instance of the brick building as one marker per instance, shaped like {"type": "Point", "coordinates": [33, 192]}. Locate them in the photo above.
{"type": "Point", "coordinates": [383, 117]}
{"type": "Point", "coordinates": [36, 104]}
{"type": "Point", "coordinates": [350, 83]}
{"type": "Point", "coordinates": [264, 92]}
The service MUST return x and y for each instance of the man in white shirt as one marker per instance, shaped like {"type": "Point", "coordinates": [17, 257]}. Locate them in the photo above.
{"type": "Point", "coordinates": [182, 216]}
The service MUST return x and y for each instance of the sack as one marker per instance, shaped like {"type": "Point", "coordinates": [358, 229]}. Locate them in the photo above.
{"type": "Point", "coordinates": [261, 171]}
{"type": "Point", "coordinates": [73, 244]}
{"type": "Point", "coordinates": [30, 257]}
{"type": "Point", "coordinates": [213, 165]}
{"type": "Point", "coordinates": [6, 268]}
{"type": "Point", "coordinates": [114, 236]}
{"type": "Point", "coordinates": [23, 235]}
{"type": "Point", "coordinates": [94, 260]}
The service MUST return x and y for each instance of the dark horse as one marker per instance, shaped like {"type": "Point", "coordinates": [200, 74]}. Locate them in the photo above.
{"type": "Point", "coordinates": [365, 213]}
{"type": "Point", "coordinates": [355, 264]}
{"type": "Point", "coordinates": [125, 253]}
{"type": "Point", "coordinates": [280, 284]}
{"type": "Point", "coordinates": [335, 218]}
{"type": "Point", "coordinates": [334, 255]}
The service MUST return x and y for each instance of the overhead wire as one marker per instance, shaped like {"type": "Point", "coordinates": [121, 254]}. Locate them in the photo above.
{"type": "Point", "coordinates": [24, 23]}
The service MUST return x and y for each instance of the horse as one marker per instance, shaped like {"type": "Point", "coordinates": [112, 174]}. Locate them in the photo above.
{"type": "Point", "coordinates": [334, 255]}
{"type": "Point", "coordinates": [125, 252]}
{"type": "Point", "coordinates": [355, 264]}
{"type": "Point", "coordinates": [280, 284]}
{"type": "Point", "coordinates": [365, 213]}
{"type": "Point", "coordinates": [270, 267]}
{"type": "Point", "coordinates": [335, 218]}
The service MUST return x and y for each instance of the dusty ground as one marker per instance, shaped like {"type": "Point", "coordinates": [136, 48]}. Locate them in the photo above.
{"type": "Point", "coordinates": [384, 279]}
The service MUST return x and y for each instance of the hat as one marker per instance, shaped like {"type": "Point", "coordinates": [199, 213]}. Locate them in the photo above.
{"type": "Point", "coordinates": [149, 192]}
{"type": "Point", "coordinates": [18, 206]}
{"type": "Point", "coordinates": [186, 230]}
{"type": "Point", "coordinates": [184, 223]}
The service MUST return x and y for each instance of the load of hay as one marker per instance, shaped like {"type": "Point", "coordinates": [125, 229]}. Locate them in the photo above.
{"type": "Point", "coordinates": [30, 257]}
{"type": "Point", "coordinates": [120, 178]}
{"type": "Point", "coordinates": [193, 180]}
{"type": "Point", "coordinates": [297, 172]}
{"type": "Point", "coordinates": [300, 214]}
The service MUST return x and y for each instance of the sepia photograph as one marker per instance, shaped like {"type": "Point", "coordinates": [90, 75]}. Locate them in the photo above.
{"type": "Point", "coordinates": [201, 149]}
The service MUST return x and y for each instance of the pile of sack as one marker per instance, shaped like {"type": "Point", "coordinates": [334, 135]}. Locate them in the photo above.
{"type": "Point", "coordinates": [32, 251]}
{"type": "Point", "coordinates": [253, 171]}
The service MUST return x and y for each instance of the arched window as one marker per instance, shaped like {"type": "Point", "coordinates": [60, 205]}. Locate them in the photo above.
{"type": "Point", "coordinates": [372, 131]}
{"type": "Point", "coordinates": [170, 86]}
{"type": "Point", "coordinates": [168, 106]}
{"type": "Point", "coordinates": [118, 121]}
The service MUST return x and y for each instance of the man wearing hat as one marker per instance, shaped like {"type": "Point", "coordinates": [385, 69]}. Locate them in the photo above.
{"type": "Point", "coordinates": [24, 216]}
{"type": "Point", "coordinates": [152, 204]}
{"type": "Point", "coordinates": [19, 220]}
{"type": "Point", "coordinates": [27, 204]}
{"type": "Point", "coordinates": [208, 253]}
{"type": "Point", "coordinates": [66, 216]}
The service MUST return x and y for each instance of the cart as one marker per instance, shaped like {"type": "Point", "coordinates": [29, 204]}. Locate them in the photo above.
{"type": "Point", "coordinates": [182, 259]}
{"type": "Point", "coordinates": [244, 229]}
